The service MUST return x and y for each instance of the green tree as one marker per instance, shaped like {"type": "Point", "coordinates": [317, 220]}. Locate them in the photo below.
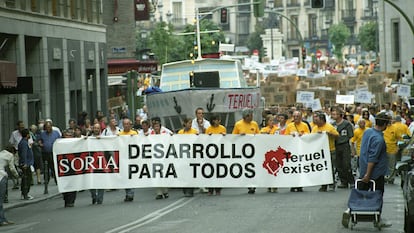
{"type": "Point", "coordinates": [162, 43]}
{"type": "Point", "coordinates": [367, 36]}
{"type": "Point", "coordinates": [255, 41]}
{"type": "Point", "coordinates": [338, 35]}
{"type": "Point", "coordinates": [209, 41]}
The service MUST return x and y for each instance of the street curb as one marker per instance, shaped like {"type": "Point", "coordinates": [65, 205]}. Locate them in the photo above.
{"type": "Point", "coordinates": [25, 203]}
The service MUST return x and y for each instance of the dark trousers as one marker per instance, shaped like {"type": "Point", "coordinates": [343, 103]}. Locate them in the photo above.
{"type": "Point", "coordinates": [26, 180]}
{"type": "Point", "coordinates": [48, 166]}
{"type": "Point", "coordinates": [379, 184]}
{"type": "Point", "coordinates": [343, 163]}
{"type": "Point", "coordinates": [69, 197]}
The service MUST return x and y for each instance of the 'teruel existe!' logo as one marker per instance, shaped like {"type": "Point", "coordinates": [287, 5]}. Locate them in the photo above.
{"type": "Point", "coordinates": [274, 160]}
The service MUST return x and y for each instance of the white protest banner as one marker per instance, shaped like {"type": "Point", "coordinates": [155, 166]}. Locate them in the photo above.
{"type": "Point", "coordinates": [315, 105]}
{"type": "Point", "coordinates": [305, 96]}
{"type": "Point", "coordinates": [404, 90]}
{"type": "Point", "coordinates": [345, 99]}
{"type": "Point", "coordinates": [260, 160]}
{"type": "Point", "coordinates": [363, 97]}
{"type": "Point", "coordinates": [302, 72]}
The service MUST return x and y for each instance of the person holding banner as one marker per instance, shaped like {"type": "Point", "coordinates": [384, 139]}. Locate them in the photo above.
{"type": "Point", "coordinates": [269, 128]}
{"type": "Point", "coordinates": [321, 126]}
{"type": "Point", "coordinates": [157, 128]}
{"type": "Point", "coordinates": [188, 192]}
{"type": "Point", "coordinates": [96, 194]}
{"type": "Point", "coordinates": [127, 125]}
{"type": "Point", "coordinates": [297, 128]}
{"type": "Point", "coordinates": [215, 128]}
{"type": "Point", "coordinates": [246, 126]}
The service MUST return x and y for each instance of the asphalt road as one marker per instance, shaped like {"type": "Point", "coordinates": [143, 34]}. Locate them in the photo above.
{"type": "Point", "coordinates": [233, 211]}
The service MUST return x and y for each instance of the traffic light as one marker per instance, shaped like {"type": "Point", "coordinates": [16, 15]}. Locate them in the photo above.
{"type": "Point", "coordinates": [303, 53]}
{"type": "Point", "coordinates": [317, 3]}
{"type": "Point", "coordinates": [223, 15]}
{"type": "Point", "coordinates": [258, 8]}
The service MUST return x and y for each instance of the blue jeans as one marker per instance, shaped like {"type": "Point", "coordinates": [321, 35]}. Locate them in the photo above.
{"type": "Point", "coordinates": [129, 192]}
{"type": "Point", "coordinates": [97, 194]}
{"type": "Point", "coordinates": [3, 189]}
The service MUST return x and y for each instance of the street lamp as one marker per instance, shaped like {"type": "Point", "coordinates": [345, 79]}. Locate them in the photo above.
{"type": "Point", "coordinates": [271, 5]}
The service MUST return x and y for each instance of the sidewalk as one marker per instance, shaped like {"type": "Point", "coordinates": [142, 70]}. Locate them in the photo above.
{"type": "Point", "coordinates": [36, 191]}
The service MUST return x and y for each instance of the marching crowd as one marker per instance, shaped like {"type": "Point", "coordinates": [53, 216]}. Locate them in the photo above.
{"type": "Point", "coordinates": [29, 154]}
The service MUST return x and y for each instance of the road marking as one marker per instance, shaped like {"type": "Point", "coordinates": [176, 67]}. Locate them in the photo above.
{"type": "Point", "coordinates": [18, 228]}
{"type": "Point", "coordinates": [151, 216]}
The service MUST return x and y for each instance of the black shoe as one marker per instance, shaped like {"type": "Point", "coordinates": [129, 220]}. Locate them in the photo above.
{"type": "Point", "coordinates": [251, 191]}
{"type": "Point", "coordinates": [158, 197]}
{"type": "Point", "coordinates": [323, 188]}
{"type": "Point", "coordinates": [93, 201]}
{"type": "Point", "coordinates": [166, 195]}
{"type": "Point", "coordinates": [299, 189]}
{"type": "Point", "coordinates": [128, 199]}
{"type": "Point", "coordinates": [69, 205]}
{"type": "Point", "coordinates": [293, 189]}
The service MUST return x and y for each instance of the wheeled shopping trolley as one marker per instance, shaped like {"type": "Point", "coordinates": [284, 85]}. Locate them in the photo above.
{"type": "Point", "coordinates": [365, 206]}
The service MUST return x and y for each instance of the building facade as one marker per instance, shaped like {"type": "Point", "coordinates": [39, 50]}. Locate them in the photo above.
{"type": "Point", "coordinates": [395, 36]}
{"type": "Point", "coordinates": [60, 44]}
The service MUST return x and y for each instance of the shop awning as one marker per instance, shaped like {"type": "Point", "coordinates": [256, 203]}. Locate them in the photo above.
{"type": "Point", "coordinates": [8, 74]}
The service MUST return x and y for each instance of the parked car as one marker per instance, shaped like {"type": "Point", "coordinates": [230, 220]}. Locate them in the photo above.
{"type": "Point", "coordinates": [405, 168]}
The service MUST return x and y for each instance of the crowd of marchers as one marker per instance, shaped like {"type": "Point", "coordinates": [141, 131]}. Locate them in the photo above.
{"type": "Point", "coordinates": [28, 159]}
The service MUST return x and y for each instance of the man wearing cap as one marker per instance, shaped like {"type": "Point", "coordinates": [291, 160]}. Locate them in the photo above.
{"type": "Point", "coordinates": [246, 126]}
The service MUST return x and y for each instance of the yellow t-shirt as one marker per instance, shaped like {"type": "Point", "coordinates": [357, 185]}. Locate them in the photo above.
{"type": "Point", "coordinates": [268, 130]}
{"type": "Point", "coordinates": [368, 123]}
{"type": "Point", "coordinates": [330, 129]}
{"type": "Point", "coordinates": [241, 127]}
{"type": "Point", "coordinates": [130, 132]}
{"type": "Point", "coordinates": [190, 131]}
{"type": "Point", "coordinates": [356, 117]}
{"type": "Point", "coordinates": [357, 138]}
{"type": "Point", "coordinates": [301, 128]}
{"type": "Point", "coordinates": [402, 129]}
{"type": "Point", "coordinates": [391, 137]}
{"type": "Point", "coordinates": [220, 129]}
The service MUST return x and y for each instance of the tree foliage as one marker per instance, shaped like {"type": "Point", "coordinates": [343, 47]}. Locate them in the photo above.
{"type": "Point", "coordinates": [209, 40]}
{"type": "Point", "coordinates": [255, 41]}
{"type": "Point", "coordinates": [164, 44]}
{"type": "Point", "coordinates": [367, 36]}
{"type": "Point", "coordinates": [338, 35]}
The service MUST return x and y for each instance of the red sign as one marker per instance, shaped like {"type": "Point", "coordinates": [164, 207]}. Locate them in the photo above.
{"type": "Point", "coordinates": [318, 54]}
{"type": "Point", "coordinates": [256, 52]}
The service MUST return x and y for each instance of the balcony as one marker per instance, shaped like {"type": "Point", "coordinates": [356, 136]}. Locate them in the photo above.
{"type": "Point", "coordinates": [368, 14]}
{"type": "Point", "coordinates": [348, 16]}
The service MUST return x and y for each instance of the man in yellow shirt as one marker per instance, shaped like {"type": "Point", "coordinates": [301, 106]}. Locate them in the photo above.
{"type": "Point", "coordinates": [127, 124]}
{"type": "Point", "coordinates": [297, 128]}
{"type": "Point", "coordinates": [321, 126]}
{"type": "Point", "coordinates": [391, 137]}
{"type": "Point", "coordinates": [246, 126]}
{"type": "Point", "coordinates": [356, 142]}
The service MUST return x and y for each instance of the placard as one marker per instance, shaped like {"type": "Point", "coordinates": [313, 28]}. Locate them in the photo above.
{"type": "Point", "coordinates": [345, 99]}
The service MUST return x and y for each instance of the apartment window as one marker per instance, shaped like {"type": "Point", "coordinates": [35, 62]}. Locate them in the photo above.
{"type": "Point", "coordinates": [312, 26]}
{"type": "Point", "coordinates": [177, 12]}
{"type": "Point", "coordinates": [395, 41]}
{"type": "Point", "coordinates": [278, 3]}
{"type": "Point", "coordinates": [293, 32]}
{"type": "Point", "coordinates": [34, 6]}
{"type": "Point", "coordinates": [11, 3]}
